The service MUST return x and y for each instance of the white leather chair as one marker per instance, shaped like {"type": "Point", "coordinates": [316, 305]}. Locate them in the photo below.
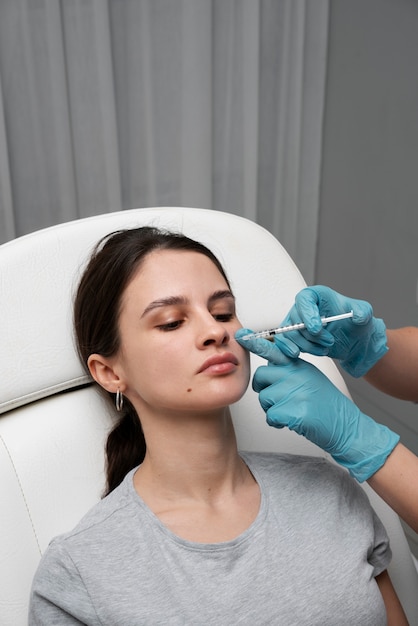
{"type": "Point", "coordinates": [53, 423]}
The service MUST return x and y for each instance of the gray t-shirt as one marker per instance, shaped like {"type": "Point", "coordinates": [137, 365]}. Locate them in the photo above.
{"type": "Point", "coordinates": [309, 558]}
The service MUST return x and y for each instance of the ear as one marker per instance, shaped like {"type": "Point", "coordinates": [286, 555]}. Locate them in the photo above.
{"type": "Point", "coordinates": [105, 373]}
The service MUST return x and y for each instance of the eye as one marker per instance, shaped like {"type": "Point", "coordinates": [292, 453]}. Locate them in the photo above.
{"type": "Point", "coordinates": [223, 317]}
{"type": "Point", "coordinates": [170, 325]}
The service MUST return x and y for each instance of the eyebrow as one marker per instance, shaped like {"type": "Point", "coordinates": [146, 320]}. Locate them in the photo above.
{"type": "Point", "coordinates": [176, 300]}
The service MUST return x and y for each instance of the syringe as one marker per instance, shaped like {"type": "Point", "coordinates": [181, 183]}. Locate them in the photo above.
{"type": "Point", "coordinates": [300, 326]}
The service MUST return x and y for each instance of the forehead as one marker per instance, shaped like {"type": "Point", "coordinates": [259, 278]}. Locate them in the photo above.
{"type": "Point", "coordinates": [174, 272]}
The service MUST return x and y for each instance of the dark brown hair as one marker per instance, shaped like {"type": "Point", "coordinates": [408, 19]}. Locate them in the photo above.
{"type": "Point", "coordinates": [113, 263]}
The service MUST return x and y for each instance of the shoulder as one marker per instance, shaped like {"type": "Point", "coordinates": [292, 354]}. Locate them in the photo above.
{"type": "Point", "coordinates": [297, 464]}
{"type": "Point", "coordinates": [312, 475]}
{"type": "Point", "coordinates": [312, 485]}
{"type": "Point", "coordinates": [118, 500]}
{"type": "Point", "coordinates": [99, 522]}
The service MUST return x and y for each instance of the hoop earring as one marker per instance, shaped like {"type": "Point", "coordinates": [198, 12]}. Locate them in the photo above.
{"type": "Point", "coordinates": [119, 400]}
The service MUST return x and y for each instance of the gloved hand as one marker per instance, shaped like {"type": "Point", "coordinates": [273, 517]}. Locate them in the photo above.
{"type": "Point", "coordinates": [278, 352]}
{"type": "Point", "coordinates": [358, 342]}
{"type": "Point", "coordinates": [297, 395]}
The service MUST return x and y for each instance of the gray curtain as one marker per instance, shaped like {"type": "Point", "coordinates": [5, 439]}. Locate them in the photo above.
{"type": "Point", "coordinates": [109, 105]}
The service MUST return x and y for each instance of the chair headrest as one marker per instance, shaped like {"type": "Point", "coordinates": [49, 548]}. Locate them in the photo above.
{"type": "Point", "coordinates": [40, 271]}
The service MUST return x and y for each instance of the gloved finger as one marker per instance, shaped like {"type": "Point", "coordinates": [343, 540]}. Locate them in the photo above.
{"type": "Point", "coordinates": [305, 338]}
{"type": "Point", "coordinates": [277, 418]}
{"type": "Point", "coordinates": [268, 375]}
{"type": "Point", "coordinates": [314, 344]}
{"type": "Point", "coordinates": [362, 312]}
{"type": "Point", "coordinates": [308, 310]}
{"type": "Point", "coordinates": [286, 345]}
{"type": "Point", "coordinates": [319, 301]}
{"type": "Point", "coordinates": [266, 349]}
{"type": "Point", "coordinates": [295, 371]}
{"type": "Point", "coordinates": [288, 393]}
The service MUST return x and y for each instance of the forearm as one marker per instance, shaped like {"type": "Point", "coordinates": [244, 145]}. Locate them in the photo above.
{"type": "Point", "coordinates": [397, 483]}
{"type": "Point", "coordinates": [396, 373]}
{"type": "Point", "coordinates": [395, 613]}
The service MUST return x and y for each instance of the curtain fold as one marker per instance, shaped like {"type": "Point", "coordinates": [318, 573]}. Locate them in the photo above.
{"type": "Point", "coordinates": [7, 225]}
{"type": "Point", "coordinates": [91, 96]}
{"type": "Point", "coordinates": [128, 103]}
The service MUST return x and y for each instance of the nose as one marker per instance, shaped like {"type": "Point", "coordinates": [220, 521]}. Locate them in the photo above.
{"type": "Point", "coordinates": [213, 332]}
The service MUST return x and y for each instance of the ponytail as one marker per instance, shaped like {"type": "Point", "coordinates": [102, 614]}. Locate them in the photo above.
{"type": "Point", "coordinates": [125, 447]}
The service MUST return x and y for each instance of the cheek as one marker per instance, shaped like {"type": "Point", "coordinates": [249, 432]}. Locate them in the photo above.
{"type": "Point", "coordinates": [247, 367]}
{"type": "Point", "coordinates": [155, 368]}
{"type": "Point", "coordinates": [159, 369]}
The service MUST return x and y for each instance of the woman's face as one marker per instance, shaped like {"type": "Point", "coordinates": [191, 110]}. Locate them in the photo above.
{"type": "Point", "coordinates": [177, 323]}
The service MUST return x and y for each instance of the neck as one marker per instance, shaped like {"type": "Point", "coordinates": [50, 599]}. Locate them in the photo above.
{"type": "Point", "coordinates": [196, 458]}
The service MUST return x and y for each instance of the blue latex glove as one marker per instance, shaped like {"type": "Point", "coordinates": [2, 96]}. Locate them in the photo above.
{"type": "Point", "coordinates": [297, 395]}
{"type": "Point", "coordinates": [358, 342]}
{"type": "Point", "coordinates": [278, 352]}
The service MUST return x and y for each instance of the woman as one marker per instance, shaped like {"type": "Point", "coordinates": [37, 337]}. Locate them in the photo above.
{"type": "Point", "coordinates": [192, 531]}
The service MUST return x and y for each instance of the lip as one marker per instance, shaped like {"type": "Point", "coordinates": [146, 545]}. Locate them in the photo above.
{"type": "Point", "coordinates": [220, 363]}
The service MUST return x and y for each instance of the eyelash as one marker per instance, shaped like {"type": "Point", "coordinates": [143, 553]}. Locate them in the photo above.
{"type": "Point", "coordinates": [170, 326]}
{"type": "Point", "coordinates": [224, 317]}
